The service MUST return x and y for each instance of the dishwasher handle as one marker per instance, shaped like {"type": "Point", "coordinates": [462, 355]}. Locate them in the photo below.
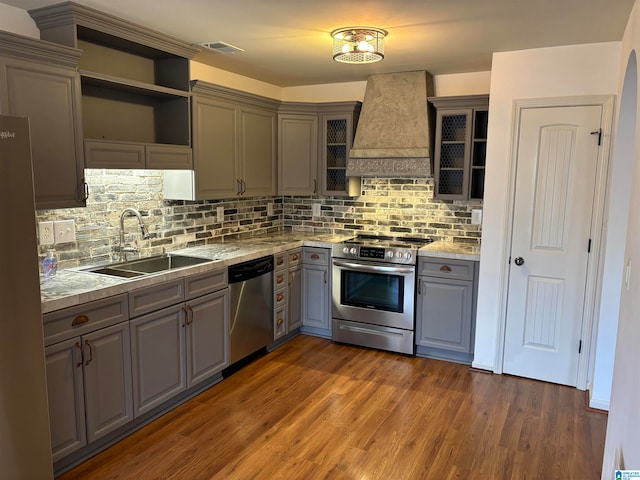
{"type": "Point", "coordinates": [252, 269]}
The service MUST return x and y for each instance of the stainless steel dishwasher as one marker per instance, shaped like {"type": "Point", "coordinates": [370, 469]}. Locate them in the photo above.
{"type": "Point", "coordinates": [251, 304]}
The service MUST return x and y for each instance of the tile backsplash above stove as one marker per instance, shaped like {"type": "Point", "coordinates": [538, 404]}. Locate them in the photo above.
{"type": "Point", "coordinates": [388, 206]}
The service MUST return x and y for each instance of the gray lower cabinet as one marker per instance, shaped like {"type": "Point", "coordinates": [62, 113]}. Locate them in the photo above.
{"type": "Point", "coordinates": [88, 375]}
{"type": "Point", "coordinates": [40, 80]}
{"type": "Point", "coordinates": [177, 347]}
{"type": "Point", "coordinates": [294, 297]}
{"type": "Point", "coordinates": [445, 309]}
{"type": "Point", "coordinates": [316, 288]}
{"type": "Point", "coordinates": [287, 281]}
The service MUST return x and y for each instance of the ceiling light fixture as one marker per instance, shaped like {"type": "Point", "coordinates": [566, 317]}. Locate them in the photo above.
{"type": "Point", "coordinates": [358, 44]}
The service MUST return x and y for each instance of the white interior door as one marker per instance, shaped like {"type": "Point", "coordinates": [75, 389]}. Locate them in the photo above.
{"type": "Point", "coordinates": [556, 168]}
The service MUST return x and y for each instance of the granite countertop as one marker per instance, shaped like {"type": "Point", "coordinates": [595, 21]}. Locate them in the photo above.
{"type": "Point", "coordinates": [450, 250]}
{"type": "Point", "coordinates": [73, 287]}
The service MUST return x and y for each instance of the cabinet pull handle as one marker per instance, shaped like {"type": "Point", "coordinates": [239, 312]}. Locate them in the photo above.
{"type": "Point", "coordinates": [85, 187]}
{"type": "Point", "coordinates": [445, 268]}
{"type": "Point", "coordinates": [279, 279]}
{"type": "Point", "coordinates": [185, 316]}
{"type": "Point", "coordinates": [239, 190]}
{"type": "Point", "coordinates": [315, 256]}
{"type": "Point", "coordinates": [280, 297]}
{"type": "Point", "coordinates": [244, 187]}
{"type": "Point", "coordinates": [189, 311]}
{"type": "Point", "coordinates": [79, 320]}
{"type": "Point", "coordinates": [419, 287]}
{"type": "Point", "coordinates": [315, 186]}
{"type": "Point", "coordinates": [90, 353]}
{"type": "Point", "coordinates": [79, 347]}
{"type": "Point", "coordinates": [325, 277]}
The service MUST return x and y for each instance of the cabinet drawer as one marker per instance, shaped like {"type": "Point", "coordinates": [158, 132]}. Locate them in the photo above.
{"type": "Point", "coordinates": [82, 319]}
{"type": "Point", "coordinates": [279, 322]}
{"type": "Point", "coordinates": [113, 155]}
{"type": "Point", "coordinates": [281, 261]}
{"type": "Point", "coordinates": [443, 268]}
{"type": "Point", "coordinates": [279, 279]}
{"type": "Point", "coordinates": [294, 257]}
{"type": "Point", "coordinates": [164, 157]}
{"type": "Point", "coordinates": [201, 284]}
{"type": "Point", "coordinates": [148, 299]}
{"type": "Point", "coordinates": [280, 298]}
{"type": "Point", "coordinates": [315, 256]}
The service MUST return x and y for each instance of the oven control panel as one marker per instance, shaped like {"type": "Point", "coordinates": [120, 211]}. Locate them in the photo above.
{"type": "Point", "coordinates": [380, 254]}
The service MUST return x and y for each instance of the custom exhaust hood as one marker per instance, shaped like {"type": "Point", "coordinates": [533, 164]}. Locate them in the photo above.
{"type": "Point", "coordinates": [393, 137]}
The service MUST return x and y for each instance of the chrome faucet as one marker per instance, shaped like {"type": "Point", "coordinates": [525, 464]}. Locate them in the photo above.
{"type": "Point", "coordinates": [124, 249]}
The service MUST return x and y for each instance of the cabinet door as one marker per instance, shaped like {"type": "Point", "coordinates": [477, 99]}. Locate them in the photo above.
{"type": "Point", "coordinates": [443, 316]}
{"type": "Point", "coordinates": [315, 301]}
{"type": "Point", "coordinates": [258, 151]}
{"type": "Point", "coordinates": [157, 351]}
{"type": "Point", "coordinates": [452, 155]}
{"type": "Point", "coordinates": [294, 294]}
{"type": "Point", "coordinates": [215, 149]}
{"type": "Point", "coordinates": [207, 336]}
{"type": "Point", "coordinates": [107, 380]}
{"type": "Point", "coordinates": [297, 154]}
{"type": "Point", "coordinates": [50, 97]}
{"type": "Point", "coordinates": [65, 392]}
{"type": "Point", "coordinates": [335, 143]}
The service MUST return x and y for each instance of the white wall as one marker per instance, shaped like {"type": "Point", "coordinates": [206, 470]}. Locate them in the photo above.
{"type": "Point", "coordinates": [622, 440]}
{"type": "Point", "coordinates": [548, 72]}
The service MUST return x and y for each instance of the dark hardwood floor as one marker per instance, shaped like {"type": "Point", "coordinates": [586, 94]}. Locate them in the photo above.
{"type": "Point", "coordinates": [314, 409]}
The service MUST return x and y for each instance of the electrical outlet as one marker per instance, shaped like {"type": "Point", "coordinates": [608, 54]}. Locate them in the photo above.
{"type": "Point", "coordinates": [270, 209]}
{"type": "Point", "coordinates": [316, 209]}
{"type": "Point", "coordinates": [220, 214]}
{"type": "Point", "coordinates": [64, 231]}
{"type": "Point", "coordinates": [45, 233]}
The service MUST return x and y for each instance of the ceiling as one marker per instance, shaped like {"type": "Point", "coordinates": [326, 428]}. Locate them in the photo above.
{"type": "Point", "coordinates": [287, 42]}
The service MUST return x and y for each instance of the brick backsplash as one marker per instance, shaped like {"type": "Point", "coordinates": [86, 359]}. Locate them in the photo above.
{"type": "Point", "coordinates": [387, 206]}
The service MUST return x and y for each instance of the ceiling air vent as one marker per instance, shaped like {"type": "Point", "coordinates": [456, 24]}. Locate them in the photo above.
{"type": "Point", "coordinates": [221, 47]}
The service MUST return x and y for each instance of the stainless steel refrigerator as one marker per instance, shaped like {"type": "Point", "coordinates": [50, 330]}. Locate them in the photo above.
{"type": "Point", "coordinates": [25, 445]}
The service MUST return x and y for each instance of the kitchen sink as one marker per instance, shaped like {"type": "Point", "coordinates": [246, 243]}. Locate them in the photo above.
{"type": "Point", "coordinates": [145, 266]}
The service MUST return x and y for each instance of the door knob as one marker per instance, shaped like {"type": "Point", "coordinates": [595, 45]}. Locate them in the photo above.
{"type": "Point", "coordinates": [519, 261]}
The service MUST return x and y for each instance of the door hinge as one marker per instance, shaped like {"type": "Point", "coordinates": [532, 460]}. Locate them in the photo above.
{"type": "Point", "coordinates": [589, 247]}
{"type": "Point", "coordinates": [580, 347]}
{"type": "Point", "coordinates": [509, 260]}
{"type": "Point", "coordinates": [599, 133]}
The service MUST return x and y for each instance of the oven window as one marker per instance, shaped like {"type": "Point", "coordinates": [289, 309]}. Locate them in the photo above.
{"type": "Point", "coordinates": [377, 291]}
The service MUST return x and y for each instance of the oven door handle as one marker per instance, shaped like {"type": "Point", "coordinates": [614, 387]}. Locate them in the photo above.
{"type": "Point", "coordinates": [372, 268]}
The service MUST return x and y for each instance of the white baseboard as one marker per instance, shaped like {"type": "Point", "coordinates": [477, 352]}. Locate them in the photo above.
{"type": "Point", "coordinates": [483, 366]}
{"type": "Point", "coordinates": [598, 404]}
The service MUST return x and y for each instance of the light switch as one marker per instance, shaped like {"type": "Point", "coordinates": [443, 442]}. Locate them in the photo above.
{"type": "Point", "coordinates": [64, 231]}
{"type": "Point", "coordinates": [476, 217]}
{"type": "Point", "coordinates": [316, 210]}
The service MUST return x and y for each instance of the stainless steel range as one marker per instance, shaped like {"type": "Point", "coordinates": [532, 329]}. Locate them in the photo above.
{"type": "Point", "coordinates": [373, 293]}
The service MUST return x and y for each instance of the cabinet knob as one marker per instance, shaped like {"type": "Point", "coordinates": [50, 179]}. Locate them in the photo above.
{"type": "Point", "coordinates": [79, 320]}
{"type": "Point", "coordinates": [280, 261]}
{"type": "Point", "coordinates": [279, 279]}
{"type": "Point", "coordinates": [280, 321]}
{"type": "Point", "coordinates": [280, 297]}
{"type": "Point", "coordinates": [294, 257]}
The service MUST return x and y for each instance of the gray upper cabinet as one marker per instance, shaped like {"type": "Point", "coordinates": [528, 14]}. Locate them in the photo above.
{"type": "Point", "coordinates": [39, 80]}
{"type": "Point", "coordinates": [234, 146]}
{"type": "Point", "coordinates": [297, 154]}
{"type": "Point", "coordinates": [460, 146]}
{"type": "Point", "coordinates": [313, 147]}
{"type": "Point", "coordinates": [135, 87]}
